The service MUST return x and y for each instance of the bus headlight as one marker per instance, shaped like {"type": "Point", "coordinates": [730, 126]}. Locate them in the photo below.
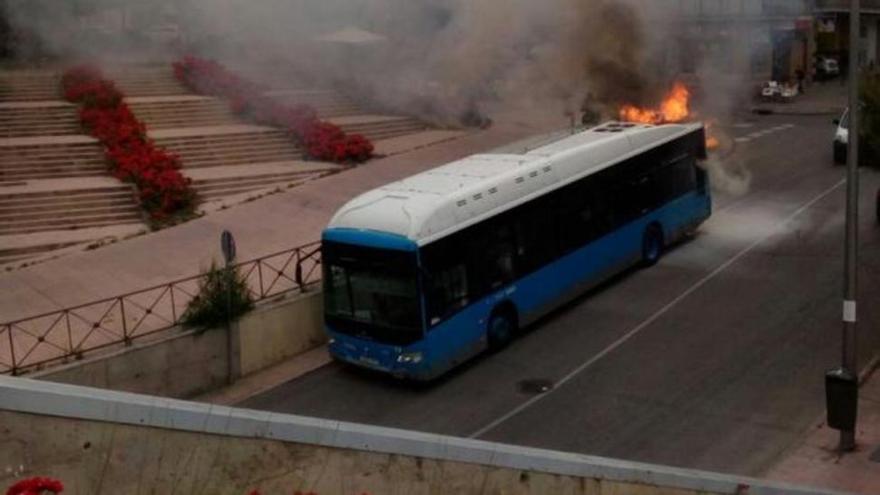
{"type": "Point", "coordinates": [410, 358]}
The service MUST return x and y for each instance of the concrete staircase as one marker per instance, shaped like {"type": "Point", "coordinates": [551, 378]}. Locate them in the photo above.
{"type": "Point", "coordinates": [29, 85]}
{"type": "Point", "coordinates": [146, 80]}
{"type": "Point", "coordinates": [27, 162]}
{"type": "Point", "coordinates": [177, 112]}
{"type": "Point", "coordinates": [55, 191]}
{"type": "Point", "coordinates": [19, 120]}
{"type": "Point", "coordinates": [379, 127]}
{"type": "Point", "coordinates": [326, 103]}
{"type": "Point", "coordinates": [37, 211]}
{"type": "Point", "coordinates": [244, 145]}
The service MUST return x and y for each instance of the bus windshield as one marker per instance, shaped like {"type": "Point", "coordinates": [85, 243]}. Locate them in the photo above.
{"type": "Point", "coordinates": [372, 293]}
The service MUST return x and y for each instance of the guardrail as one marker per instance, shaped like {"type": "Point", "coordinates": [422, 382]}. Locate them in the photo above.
{"type": "Point", "coordinates": [68, 334]}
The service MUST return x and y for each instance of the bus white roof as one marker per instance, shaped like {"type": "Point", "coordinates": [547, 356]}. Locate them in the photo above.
{"type": "Point", "coordinates": [443, 200]}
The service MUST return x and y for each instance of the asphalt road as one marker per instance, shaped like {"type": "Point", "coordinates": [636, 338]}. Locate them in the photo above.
{"type": "Point", "coordinates": [712, 359]}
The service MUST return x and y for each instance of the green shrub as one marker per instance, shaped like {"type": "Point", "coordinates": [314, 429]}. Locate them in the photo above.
{"type": "Point", "coordinates": [223, 295]}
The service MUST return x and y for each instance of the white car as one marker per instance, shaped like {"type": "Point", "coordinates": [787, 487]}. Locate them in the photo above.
{"type": "Point", "coordinates": [775, 91]}
{"type": "Point", "coordinates": [827, 68]}
{"type": "Point", "coordinates": [841, 138]}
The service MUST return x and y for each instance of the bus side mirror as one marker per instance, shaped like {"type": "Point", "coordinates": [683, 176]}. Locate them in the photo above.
{"type": "Point", "coordinates": [836, 121]}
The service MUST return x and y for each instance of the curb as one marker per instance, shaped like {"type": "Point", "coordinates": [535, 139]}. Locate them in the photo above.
{"type": "Point", "coordinates": [802, 113]}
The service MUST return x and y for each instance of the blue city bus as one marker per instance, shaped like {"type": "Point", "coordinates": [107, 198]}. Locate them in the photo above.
{"type": "Point", "coordinates": [425, 273]}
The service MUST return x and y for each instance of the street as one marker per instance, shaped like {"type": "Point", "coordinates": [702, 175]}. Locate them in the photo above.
{"type": "Point", "coordinates": [712, 359]}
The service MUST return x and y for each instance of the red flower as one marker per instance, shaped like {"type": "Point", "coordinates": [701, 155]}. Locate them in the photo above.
{"type": "Point", "coordinates": [321, 140]}
{"type": "Point", "coordinates": [35, 486]}
{"type": "Point", "coordinates": [131, 155]}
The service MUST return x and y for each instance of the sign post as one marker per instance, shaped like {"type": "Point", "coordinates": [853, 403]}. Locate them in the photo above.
{"type": "Point", "coordinates": [227, 244]}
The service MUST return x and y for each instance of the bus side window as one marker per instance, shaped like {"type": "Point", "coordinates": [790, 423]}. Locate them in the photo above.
{"type": "Point", "coordinates": [501, 252]}
{"type": "Point", "coordinates": [677, 178]}
{"type": "Point", "coordinates": [449, 292]}
{"type": "Point", "coordinates": [535, 236]}
{"type": "Point", "coordinates": [447, 283]}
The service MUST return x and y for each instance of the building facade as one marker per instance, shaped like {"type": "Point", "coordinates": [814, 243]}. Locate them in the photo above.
{"type": "Point", "coordinates": [832, 30]}
{"type": "Point", "coordinates": [758, 39]}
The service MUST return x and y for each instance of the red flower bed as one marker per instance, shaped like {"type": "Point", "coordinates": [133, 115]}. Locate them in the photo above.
{"type": "Point", "coordinates": [321, 140]}
{"type": "Point", "coordinates": [132, 155]}
{"type": "Point", "coordinates": [35, 486]}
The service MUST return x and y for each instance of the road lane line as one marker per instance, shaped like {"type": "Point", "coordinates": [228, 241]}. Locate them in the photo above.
{"type": "Point", "coordinates": [654, 317]}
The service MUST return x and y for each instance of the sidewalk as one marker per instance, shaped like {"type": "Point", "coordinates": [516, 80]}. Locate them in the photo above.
{"type": "Point", "coordinates": [820, 98]}
{"type": "Point", "coordinates": [817, 463]}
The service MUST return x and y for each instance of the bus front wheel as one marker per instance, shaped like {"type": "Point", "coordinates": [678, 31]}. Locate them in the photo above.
{"type": "Point", "coordinates": [652, 245]}
{"type": "Point", "coordinates": [501, 328]}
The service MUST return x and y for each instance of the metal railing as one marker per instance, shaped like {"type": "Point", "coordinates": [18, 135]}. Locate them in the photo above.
{"type": "Point", "coordinates": [68, 334]}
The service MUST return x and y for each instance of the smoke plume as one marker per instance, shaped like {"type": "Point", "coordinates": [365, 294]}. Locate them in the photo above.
{"type": "Point", "coordinates": [441, 58]}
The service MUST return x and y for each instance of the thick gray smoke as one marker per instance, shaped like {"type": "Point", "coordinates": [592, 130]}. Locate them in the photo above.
{"type": "Point", "coordinates": [440, 58]}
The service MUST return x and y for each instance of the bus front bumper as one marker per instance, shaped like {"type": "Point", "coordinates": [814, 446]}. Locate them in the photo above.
{"type": "Point", "coordinates": [399, 362]}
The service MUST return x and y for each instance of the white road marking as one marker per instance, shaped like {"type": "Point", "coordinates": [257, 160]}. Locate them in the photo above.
{"type": "Point", "coordinates": [654, 317]}
{"type": "Point", "coordinates": [762, 133]}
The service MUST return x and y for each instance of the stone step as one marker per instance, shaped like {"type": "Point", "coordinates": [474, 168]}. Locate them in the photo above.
{"type": "Point", "coordinates": [36, 116]}
{"type": "Point", "coordinates": [231, 141]}
{"type": "Point", "coordinates": [55, 122]}
{"type": "Point", "coordinates": [375, 132]}
{"type": "Point", "coordinates": [67, 213]}
{"type": "Point", "coordinates": [14, 157]}
{"type": "Point", "coordinates": [67, 193]}
{"type": "Point", "coordinates": [245, 159]}
{"type": "Point", "coordinates": [170, 120]}
{"type": "Point", "coordinates": [53, 162]}
{"type": "Point", "coordinates": [40, 161]}
{"type": "Point", "coordinates": [80, 224]}
{"type": "Point", "coordinates": [97, 166]}
{"type": "Point", "coordinates": [50, 149]}
{"type": "Point", "coordinates": [39, 121]}
{"type": "Point", "coordinates": [258, 146]}
{"type": "Point", "coordinates": [29, 96]}
{"type": "Point", "coordinates": [79, 204]}
{"type": "Point", "coordinates": [157, 81]}
{"type": "Point", "coordinates": [64, 217]}
{"type": "Point", "coordinates": [341, 111]}
{"type": "Point", "coordinates": [70, 130]}
{"type": "Point", "coordinates": [52, 173]}
{"type": "Point", "coordinates": [233, 149]}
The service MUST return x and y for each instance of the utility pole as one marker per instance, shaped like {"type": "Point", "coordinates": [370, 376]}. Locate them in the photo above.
{"type": "Point", "coordinates": [842, 384]}
{"type": "Point", "coordinates": [849, 360]}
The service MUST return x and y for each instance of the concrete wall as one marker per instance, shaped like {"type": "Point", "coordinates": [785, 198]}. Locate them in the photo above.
{"type": "Point", "coordinates": [191, 363]}
{"type": "Point", "coordinates": [103, 442]}
{"type": "Point", "coordinates": [182, 365]}
{"type": "Point", "coordinates": [275, 333]}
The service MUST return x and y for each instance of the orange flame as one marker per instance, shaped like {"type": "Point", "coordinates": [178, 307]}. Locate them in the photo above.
{"type": "Point", "coordinates": [712, 142]}
{"type": "Point", "coordinates": [674, 108]}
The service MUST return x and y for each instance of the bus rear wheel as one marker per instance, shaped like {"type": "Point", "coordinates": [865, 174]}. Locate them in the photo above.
{"type": "Point", "coordinates": [501, 329]}
{"type": "Point", "coordinates": [652, 245]}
